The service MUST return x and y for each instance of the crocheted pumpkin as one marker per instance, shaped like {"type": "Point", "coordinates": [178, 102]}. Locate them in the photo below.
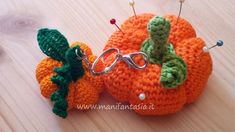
{"type": "Point", "coordinates": [177, 73]}
{"type": "Point", "coordinates": [63, 78]}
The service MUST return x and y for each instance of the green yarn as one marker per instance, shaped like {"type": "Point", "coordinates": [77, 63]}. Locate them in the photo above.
{"type": "Point", "coordinates": [148, 48]}
{"type": "Point", "coordinates": [60, 108]}
{"type": "Point", "coordinates": [174, 69]}
{"type": "Point", "coordinates": [52, 43]}
{"type": "Point", "coordinates": [55, 45]}
{"type": "Point", "coordinates": [76, 65]}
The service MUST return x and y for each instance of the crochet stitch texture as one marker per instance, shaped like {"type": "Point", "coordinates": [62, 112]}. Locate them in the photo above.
{"type": "Point", "coordinates": [173, 72]}
{"type": "Point", "coordinates": [62, 77]}
{"type": "Point", "coordinates": [126, 84]}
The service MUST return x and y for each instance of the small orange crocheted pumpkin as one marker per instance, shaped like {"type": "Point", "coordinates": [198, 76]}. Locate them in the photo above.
{"type": "Point", "coordinates": [83, 91]}
{"type": "Point", "coordinates": [151, 92]}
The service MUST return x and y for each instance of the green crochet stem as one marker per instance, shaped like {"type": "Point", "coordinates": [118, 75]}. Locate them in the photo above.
{"type": "Point", "coordinates": [174, 69]}
{"type": "Point", "coordinates": [55, 45]}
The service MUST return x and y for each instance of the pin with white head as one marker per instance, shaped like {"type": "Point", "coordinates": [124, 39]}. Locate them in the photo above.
{"type": "Point", "coordinates": [132, 4]}
{"type": "Point", "coordinates": [206, 49]}
{"type": "Point", "coordinates": [142, 96]}
{"type": "Point", "coordinates": [181, 5]}
{"type": "Point", "coordinates": [113, 22]}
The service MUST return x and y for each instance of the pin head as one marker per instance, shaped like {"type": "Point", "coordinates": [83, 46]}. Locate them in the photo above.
{"type": "Point", "coordinates": [132, 3]}
{"type": "Point", "coordinates": [205, 49]}
{"type": "Point", "coordinates": [113, 21]}
{"type": "Point", "coordinates": [141, 96]}
{"type": "Point", "coordinates": [181, 1]}
{"type": "Point", "coordinates": [220, 43]}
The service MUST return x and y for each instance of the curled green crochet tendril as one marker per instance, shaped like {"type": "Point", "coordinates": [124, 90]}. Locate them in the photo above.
{"type": "Point", "coordinates": [55, 45]}
{"type": "Point", "coordinates": [174, 69]}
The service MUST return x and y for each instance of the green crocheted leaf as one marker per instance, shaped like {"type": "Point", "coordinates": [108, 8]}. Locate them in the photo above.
{"type": "Point", "coordinates": [52, 43]}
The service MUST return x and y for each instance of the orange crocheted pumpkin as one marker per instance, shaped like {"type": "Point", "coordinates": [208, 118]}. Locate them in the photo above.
{"type": "Point", "coordinates": [147, 87]}
{"type": "Point", "coordinates": [82, 92]}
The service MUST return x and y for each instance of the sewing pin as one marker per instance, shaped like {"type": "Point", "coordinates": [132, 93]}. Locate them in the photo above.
{"type": "Point", "coordinates": [142, 96]}
{"type": "Point", "coordinates": [132, 4]}
{"type": "Point", "coordinates": [113, 22]}
{"type": "Point", "coordinates": [181, 5]}
{"type": "Point", "coordinates": [206, 49]}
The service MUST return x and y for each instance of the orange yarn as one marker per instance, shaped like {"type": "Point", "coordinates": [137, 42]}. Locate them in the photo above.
{"type": "Point", "coordinates": [85, 91]}
{"type": "Point", "coordinates": [125, 84]}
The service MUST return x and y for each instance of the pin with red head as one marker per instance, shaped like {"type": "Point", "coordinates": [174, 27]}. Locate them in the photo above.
{"type": "Point", "coordinates": [113, 22]}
